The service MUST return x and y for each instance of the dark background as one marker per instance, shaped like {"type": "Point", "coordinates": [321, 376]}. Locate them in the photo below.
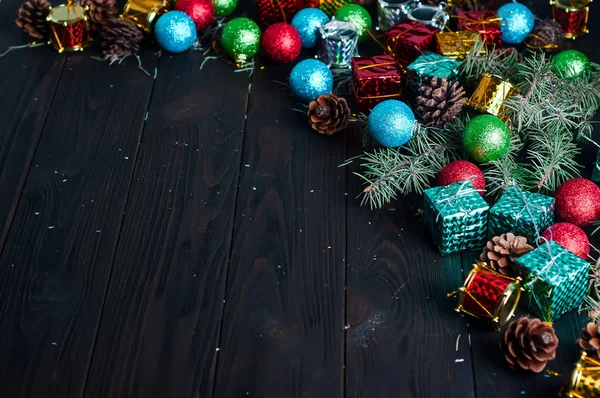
{"type": "Point", "coordinates": [190, 236]}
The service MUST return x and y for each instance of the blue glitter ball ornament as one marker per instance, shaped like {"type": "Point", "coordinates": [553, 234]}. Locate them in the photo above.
{"type": "Point", "coordinates": [309, 79]}
{"type": "Point", "coordinates": [391, 123]}
{"type": "Point", "coordinates": [517, 22]}
{"type": "Point", "coordinates": [175, 31]}
{"type": "Point", "coordinates": [307, 22]}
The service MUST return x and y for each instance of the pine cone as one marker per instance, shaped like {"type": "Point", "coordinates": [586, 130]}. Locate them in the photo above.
{"type": "Point", "coordinates": [119, 38]}
{"type": "Point", "coordinates": [502, 251]}
{"type": "Point", "coordinates": [328, 114]}
{"type": "Point", "coordinates": [590, 340]}
{"type": "Point", "coordinates": [440, 100]}
{"type": "Point", "coordinates": [547, 35]}
{"type": "Point", "coordinates": [31, 17]}
{"type": "Point", "coordinates": [528, 344]}
{"type": "Point", "coordinates": [100, 11]}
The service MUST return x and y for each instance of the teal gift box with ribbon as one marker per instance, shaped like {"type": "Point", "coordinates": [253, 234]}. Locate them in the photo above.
{"type": "Point", "coordinates": [555, 280]}
{"type": "Point", "coordinates": [456, 217]}
{"type": "Point", "coordinates": [522, 213]}
{"type": "Point", "coordinates": [432, 65]}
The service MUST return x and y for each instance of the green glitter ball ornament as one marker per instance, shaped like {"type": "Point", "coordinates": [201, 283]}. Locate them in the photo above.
{"type": "Point", "coordinates": [224, 7]}
{"type": "Point", "coordinates": [486, 138]}
{"type": "Point", "coordinates": [241, 39]}
{"type": "Point", "coordinates": [570, 63]}
{"type": "Point", "coordinates": [358, 15]}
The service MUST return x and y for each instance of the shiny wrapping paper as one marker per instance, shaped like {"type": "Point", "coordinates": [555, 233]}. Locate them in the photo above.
{"type": "Point", "coordinates": [144, 13]}
{"type": "Point", "coordinates": [522, 213]}
{"type": "Point", "coordinates": [338, 42]}
{"type": "Point", "coordinates": [486, 23]}
{"type": "Point", "coordinates": [585, 378]}
{"type": "Point", "coordinates": [432, 65]}
{"type": "Point", "coordinates": [375, 79]}
{"type": "Point", "coordinates": [331, 6]}
{"type": "Point", "coordinates": [555, 280]}
{"type": "Point", "coordinates": [273, 11]}
{"type": "Point", "coordinates": [572, 15]}
{"type": "Point", "coordinates": [69, 30]}
{"type": "Point", "coordinates": [391, 13]}
{"type": "Point", "coordinates": [457, 45]}
{"type": "Point", "coordinates": [409, 39]}
{"type": "Point", "coordinates": [491, 94]}
{"type": "Point", "coordinates": [456, 217]}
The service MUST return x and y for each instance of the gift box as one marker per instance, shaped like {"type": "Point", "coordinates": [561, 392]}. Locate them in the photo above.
{"type": "Point", "coordinates": [456, 216]}
{"type": "Point", "coordinates": [486, 23]}
{"type": "Point", "coordinates": [555, 280]}
{"type": "Point", "coordinates": [375, 79]}
{"type": "Point", "coordinates": [523, 213]}
{"type": "Point", "coordinates": [430, 65]}
{"type": "Point", "coordinates": [409, 39]}
{"type": "Point", "coordinates": [274, 11]}
{"type": "Point", "coordinates": [457, 45]}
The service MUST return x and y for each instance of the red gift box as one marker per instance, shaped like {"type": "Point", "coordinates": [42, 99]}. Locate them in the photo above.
{"type": "Point", "coordinates": [486, 23]}
{"type": "Point", "coordinates": [409, 39]}
{"type": "Point", "coordinates": [273, 11]}
{"type": "Point", "coordinates": [375, 79]}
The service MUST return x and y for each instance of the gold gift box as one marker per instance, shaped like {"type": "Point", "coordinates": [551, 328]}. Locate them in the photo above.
{"type": "Point", "coordinates": [491, 94]}
{"type": "Point", "coordinates": [457, 45]}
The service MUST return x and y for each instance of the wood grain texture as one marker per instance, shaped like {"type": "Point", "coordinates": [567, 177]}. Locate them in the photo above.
{"type": "Point", "coordinates": [165, 301]}
{"type": "Point", "coordinates": [28, 80]}
{"type": "Point", "coordinates": [283, 325]}
{"type": "Point", "coordinates": [56, 262]}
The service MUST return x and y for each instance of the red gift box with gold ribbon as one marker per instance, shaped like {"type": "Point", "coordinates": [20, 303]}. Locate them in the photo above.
{"type": "Point", "coordinates": [486, 23]}
{"type": "Point", "coordinates": [375, 79]}
{"type": "Point", "coordinates": [273, 11]}
{"type": "Point", "coordinates": [409, 39]}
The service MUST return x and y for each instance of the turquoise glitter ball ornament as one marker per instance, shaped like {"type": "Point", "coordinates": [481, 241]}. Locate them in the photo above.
{"type": "Point", "coordinates": [391, 123]}
{"type": "Point", "coordinates": [570, 63]}
{"type": "Point", "coordinates": [308, 21]}
{"type": "Point", "coordinates": [224, 7]}
{"type": "Point", "coordinates": [486, 138]}
{"type": "Point", "coordinates": [175, 31]}
{"type": "Point", "coordinates": [309, 79]}
{"type": "Point", "coordinates": [517, 22]}
{"type": "Point", "coordinates": [241, 39]}
{"type": "Point", "coordinates": [358, 15]}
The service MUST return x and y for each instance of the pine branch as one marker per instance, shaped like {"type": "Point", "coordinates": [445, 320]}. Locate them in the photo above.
{"type": "Point", "coordinates": [503, 64]}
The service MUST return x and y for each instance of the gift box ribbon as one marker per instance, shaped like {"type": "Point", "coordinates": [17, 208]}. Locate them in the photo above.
{"type": "Point", "coordinates": [529, 208]}
{"type": "Point", "coordinates": [478, 24]}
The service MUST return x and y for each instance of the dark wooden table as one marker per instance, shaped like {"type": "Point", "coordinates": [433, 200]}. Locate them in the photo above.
{"type": "Point", "coordinates": [190, 236]}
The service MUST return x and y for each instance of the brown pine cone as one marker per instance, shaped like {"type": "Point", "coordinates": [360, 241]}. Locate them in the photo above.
{"type": "Point", "coordinates": [31, 17]}
{"type": "Point", "coordinates": [328, 114]}
{"type": "Point", "coordinates": [529, 344]}
{"type": "Point", "coordinates": [502, 251]}
{"type": "Point", "coordinates": [119, 38]}
{"type": "Point", "coordinates": [440, 100]}
{"type": "Point", "coordinates": [99, 12]}
{"type": "Point", "coordinates": [547, 35]}
{"type": "Point", "coordinates": [590, 340]}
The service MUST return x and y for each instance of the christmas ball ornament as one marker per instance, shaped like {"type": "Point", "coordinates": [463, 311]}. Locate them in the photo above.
{"type": "Point", "coordinates": [241, 39]}
{"type": "Point", "coordinates": [391, 123]}
{"type": "Point", "coordinates": [309, 79]}
{"type": "Point", "coordinates": [460, 170]}
{"type": "Point", "coordinates": [175, 31]}
{"type": "Point", "coordinates": [358, 15]}
{"type": "Point", "coordinates": [486, 138]}
{"type": "Point", "coordinates": [224, 7]}
{"type": "Point", "coordinates": [202, 12]}
{"type": "Point", "coordinates": [569, 236]}
{"type": "Point", "coordinates": [578, 201]}
{"type": "Point", "coordinates": [281, 42]}
{"type": "Point", "coordinates": [570, 63]}
{"type": "Point", "coordinates": [307, 22]}
{"type": "Point", "coordinates": [517, 22]}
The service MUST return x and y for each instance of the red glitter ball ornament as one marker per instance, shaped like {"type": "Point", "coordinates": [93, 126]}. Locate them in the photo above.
{"type": "Point", "coordinates": [281, 42]}
{"type": "Point", "coordinates": [461, 170]}
{"type": "Point", "coordinates": [202, 12]}
{"type": "Point", "coordinates": [578, 201]}
{"type": "Point", "coordinates": [569, 236]}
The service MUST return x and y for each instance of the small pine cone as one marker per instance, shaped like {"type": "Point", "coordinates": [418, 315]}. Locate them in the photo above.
{"type": "Point", "coordinates": [529, 344]}
{"type": "Point", "coordinates": [119, 38]}
{"type": "Point", "coordinates": [328, 114]}
{"type": "Point", "coordinates": [547, 35]}
{"type": "Point", "coordinates": [502, 251]}
{"type": "Point", "coordinates": [99, 12]}
{"type": "Point", "coordinates": [590, 340]}
{"type": "Point", "coordinates": [440, 100]}
{"type": "Point", "coordinates": [31, 17]}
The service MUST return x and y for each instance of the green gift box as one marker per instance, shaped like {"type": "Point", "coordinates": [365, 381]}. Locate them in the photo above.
{"type": "Point", "coordinates": [432, 65]}
{"type": "Point", "coordinates": [456, 217]}
{"type": "Point", "coordinates": [555, 280]}
{"type": "Point", "coordinates": [522, 213]}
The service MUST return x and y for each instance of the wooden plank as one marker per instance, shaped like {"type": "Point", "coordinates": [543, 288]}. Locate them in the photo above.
{"type": "Point", "coordinates": [165, 301]}
{"type": "Point", "coordinates": [283, 324]}
{"type": "Point", "coordinates": [58, 255]}
{"type": "Point", "coordinates": [28, 80]}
